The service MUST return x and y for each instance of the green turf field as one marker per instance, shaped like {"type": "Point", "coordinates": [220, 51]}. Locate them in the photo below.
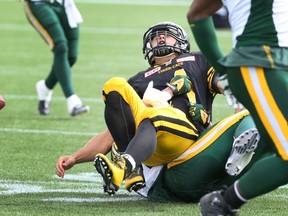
{"type": "Point", "coordinates": [111, 45]}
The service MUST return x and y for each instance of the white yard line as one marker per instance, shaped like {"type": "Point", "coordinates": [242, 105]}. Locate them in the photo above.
{"type": "Point", "coordinates": [82, 183]}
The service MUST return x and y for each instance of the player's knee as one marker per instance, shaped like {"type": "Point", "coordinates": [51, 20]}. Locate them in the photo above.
{"type": "Point", "coordinates": [60, 48]}
{"type": "Point", "coordinates": [112, 97]}
{"type": "Point", "coordinates": [114, 84]}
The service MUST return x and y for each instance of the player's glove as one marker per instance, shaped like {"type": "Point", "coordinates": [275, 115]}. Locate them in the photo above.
{"type": "Point", "coordinates": [179, 84]}
{"type": "Point", "coordinates": [199, 114]}
{"type": "Point", "coordinates": [155, 97]}
{"type": "Point", "coordinates": [231, 99]}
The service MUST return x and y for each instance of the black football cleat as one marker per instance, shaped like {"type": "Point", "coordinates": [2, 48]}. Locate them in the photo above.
{"type": "Point", "coordinates": [44, 107]}
{"type": "Point", "coordinates": [213, 204]}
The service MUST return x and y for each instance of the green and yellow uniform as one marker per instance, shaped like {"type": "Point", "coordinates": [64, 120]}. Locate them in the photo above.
{"type": "Point", "coordinates": [50, 20]}
{"type": "Point", "coordinates": [257, 71]}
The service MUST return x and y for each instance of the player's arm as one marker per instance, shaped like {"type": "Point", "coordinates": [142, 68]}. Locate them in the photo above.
{"type": "Point", "coordinates": [202, 27]}
{"type": "Point", "coordinates": [100, 143]}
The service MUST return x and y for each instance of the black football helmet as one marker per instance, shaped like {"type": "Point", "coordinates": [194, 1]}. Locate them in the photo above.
{"type": "Point", "coordinates": [181, 45]}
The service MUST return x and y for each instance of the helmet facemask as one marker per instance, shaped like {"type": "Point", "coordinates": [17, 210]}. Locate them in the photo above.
{"type": "Point", "coordinates": [162, 49]}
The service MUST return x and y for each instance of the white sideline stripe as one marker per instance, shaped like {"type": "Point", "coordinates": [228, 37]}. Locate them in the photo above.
{"type": "Point", "coordinates": [18, 130]}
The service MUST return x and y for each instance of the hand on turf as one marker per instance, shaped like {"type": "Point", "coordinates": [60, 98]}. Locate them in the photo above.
{"type": "Point", "coordinates": [64, 163]}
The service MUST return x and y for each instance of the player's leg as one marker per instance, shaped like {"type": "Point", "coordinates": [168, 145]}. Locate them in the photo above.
{"type": "Point", "coordinates": [122, 110]}
{"type": "Point", "coordinates": [260, 94]}
{"type": "Point", "coordinates": [74, 104]}
{"type": "Point", "coordinates": [201, 168]}
{"type": "Point", "coordinates": [44, 19]}
{"type": "Point", "coordinates": [270, 113]}
{"type": "Point", "coordinates": [38, 14]}
{"type": "Point", "coordinates": [173, 131]}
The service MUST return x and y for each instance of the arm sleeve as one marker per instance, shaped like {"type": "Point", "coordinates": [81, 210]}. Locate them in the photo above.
{"type": "Point", "coordinates": [206, 39]}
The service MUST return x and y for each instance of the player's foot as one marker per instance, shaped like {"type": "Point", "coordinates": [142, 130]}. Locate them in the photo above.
{"type": "Point", "coordinates": [113, 173]}
{"type": "Point", "coordinates": [115, 153]}
{"type": "Point", "coordinates": [44, 107]}
{"type": "Point", "coordinates": [135, 180]}
{"type": "Point", "coordinates": [79, 109]}
{"type": "Point", "coordinates": [213, 204]}
{"type": "Point", "coordinates": [44, 96]}
{"type": "Point", "coordinates": [75, 106]}
{"type": "Point", "coordinates": [242, 151]}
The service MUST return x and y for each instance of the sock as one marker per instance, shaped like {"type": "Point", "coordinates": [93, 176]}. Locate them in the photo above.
{"type": "Point", "coordinates": [233, 197]}
{"type": "Point", "coordinates": [43, 92]}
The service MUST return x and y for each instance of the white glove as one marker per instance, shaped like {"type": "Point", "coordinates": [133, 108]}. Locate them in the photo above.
{"type": "Point", "coordinates": [155, 97]}
{"type": "Point", "coordinates": [231, 100]}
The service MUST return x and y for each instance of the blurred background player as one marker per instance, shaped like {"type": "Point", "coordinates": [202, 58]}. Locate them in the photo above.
{"type": "Point", "coordinates": [256, 71]}
{"type": "Point", "coordinates": [57, 21]}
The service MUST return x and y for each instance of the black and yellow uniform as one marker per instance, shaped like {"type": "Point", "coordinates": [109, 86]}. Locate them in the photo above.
{"type": "Point", "coordinates": [194, 65]}
{"type": "Point", "coordinates": [173, 124]}
{"type": "Point", "coordinates": [174, 132]}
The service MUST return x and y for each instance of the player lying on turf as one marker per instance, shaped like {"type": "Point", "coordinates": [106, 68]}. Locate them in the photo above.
{"type": "Point", "coordinates": [170, 60]}
{"type": "Point", "coordinates": [160, 129]}
{"type": "Point", "coordinates": [199, 170]}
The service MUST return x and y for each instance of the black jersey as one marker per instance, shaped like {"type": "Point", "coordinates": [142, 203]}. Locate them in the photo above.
{"type": "Point", "coordinates": [193, 65]}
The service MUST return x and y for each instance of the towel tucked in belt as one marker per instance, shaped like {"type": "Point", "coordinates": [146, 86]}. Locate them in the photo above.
{"type": "Point", "coordinates": [73, 14]}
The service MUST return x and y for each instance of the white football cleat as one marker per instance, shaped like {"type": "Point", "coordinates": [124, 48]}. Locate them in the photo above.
{"type": "Point", "coordinates": [75, 106]}
{"type": "Point", "coordinates": [242, 151]}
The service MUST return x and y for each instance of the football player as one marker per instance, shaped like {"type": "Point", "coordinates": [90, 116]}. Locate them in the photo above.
{"type": "Point", "coordinates": [138, 126]}
{"type": "Point", "coordinates": [191, 82]}
{"type": "Point", "coordinates": [57, 22]}
{"type": "Point", "coordinates": [257, 71]}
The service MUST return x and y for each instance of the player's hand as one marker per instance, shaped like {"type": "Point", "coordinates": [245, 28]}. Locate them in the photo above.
{"type": "Point", "coordinates": [180, 84]}
{"type": "Point", "coordinates": [231, 99]}
{"type": "Point", "coordinates": [199, 114]}
{"type": "Point", "coordinates": [64, 163]}
{"type": "Point", "coordinates": [155, 97]}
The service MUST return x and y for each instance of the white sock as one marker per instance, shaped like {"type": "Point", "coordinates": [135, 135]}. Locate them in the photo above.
{"type": "Point", "coordinates": [73, 101]}
{"type": "Point", "coordinates": [43, 92]}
